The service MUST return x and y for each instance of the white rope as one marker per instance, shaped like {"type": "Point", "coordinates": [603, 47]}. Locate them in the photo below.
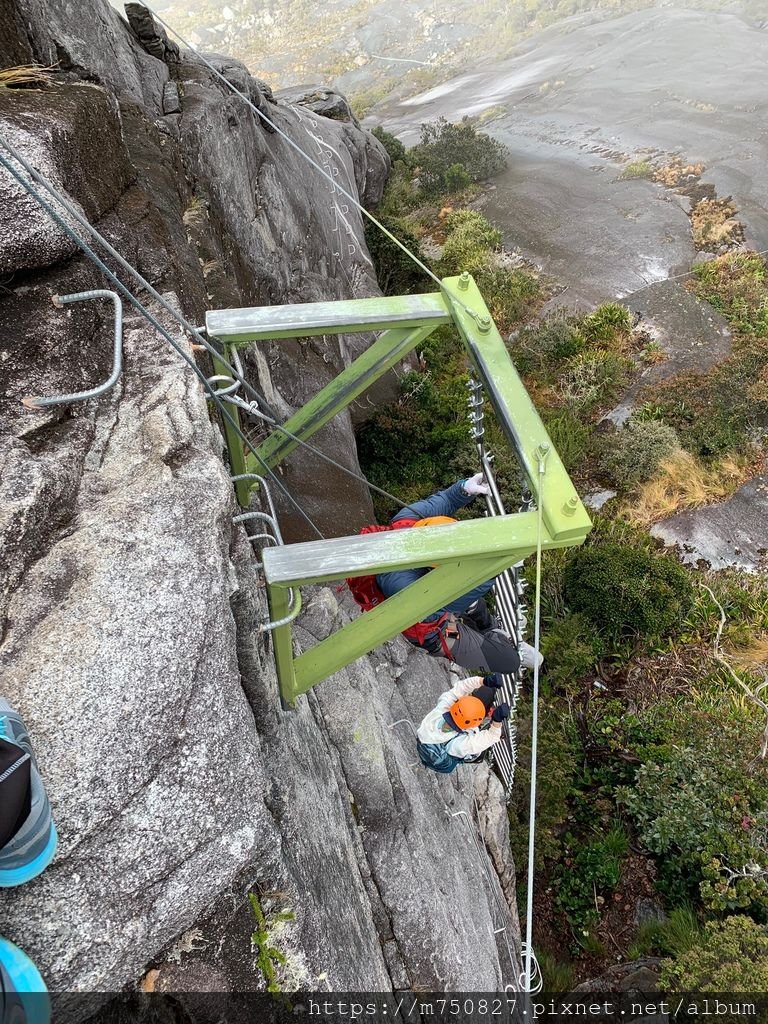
{"type": "Point", "coordinates": [531, 971]}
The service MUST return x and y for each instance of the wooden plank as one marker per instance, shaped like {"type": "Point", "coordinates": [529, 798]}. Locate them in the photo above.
{"type": "Point", "coordinates": [303, 320]}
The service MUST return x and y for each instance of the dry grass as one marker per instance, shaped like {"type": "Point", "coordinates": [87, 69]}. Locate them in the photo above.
{"type": "Point", "coordinates": [714, 224]}
{"type": "Point", "coordinates": [754, 655]}
{"type": "Point", "coordinates": [674, 172]}
{"type": "Point", "coordinates": [24, 75]}
{"type": "Point", "coordinates": [684, 482]}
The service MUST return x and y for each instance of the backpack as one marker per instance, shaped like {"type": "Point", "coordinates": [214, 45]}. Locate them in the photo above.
{"type": "Point", "coordinates": [367, 595]}
{"type": "Point", "coordinates": [436, 757]}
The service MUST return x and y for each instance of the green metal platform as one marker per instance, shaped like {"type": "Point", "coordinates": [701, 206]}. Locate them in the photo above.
{"type": "Point", "coordinates": [466, 553]}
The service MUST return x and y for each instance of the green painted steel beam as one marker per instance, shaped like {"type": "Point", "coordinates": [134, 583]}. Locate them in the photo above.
{"type": "Point", "coordinates": [385, 353]}
{"type": "Point", "coordinates": [308, 319]}
{"type": "Point", "coordinates": [282, 642]}
{"type": "Point", "coordinates": [397, 613]}
{"type": "Point", "coordinates": [237, 457]}
{"type": "Point", "coordinates": [338, 557]}
{"type": "Point", "coordinates": [563, 511]}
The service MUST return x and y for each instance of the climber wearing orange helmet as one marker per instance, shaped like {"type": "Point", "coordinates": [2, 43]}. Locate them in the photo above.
{"type": "Point", "coordinates": [464, 630]}
{"type": "Point", "coordinates": [462, 726]}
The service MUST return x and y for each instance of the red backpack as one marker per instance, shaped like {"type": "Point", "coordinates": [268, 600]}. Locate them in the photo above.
{"type": "Point", "coordinates": [367, 595]}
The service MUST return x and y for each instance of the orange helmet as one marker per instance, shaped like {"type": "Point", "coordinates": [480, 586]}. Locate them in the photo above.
{"type": "Point", "coordinates": [435, 521]}
{"type": "Point", "coordinates": [467, 712]}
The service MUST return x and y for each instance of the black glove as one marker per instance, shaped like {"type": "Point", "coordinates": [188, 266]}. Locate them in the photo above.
{"type": "Point", "coordinates": [493, 680]}
{"type": "Point", "coordinates": [500, 713]}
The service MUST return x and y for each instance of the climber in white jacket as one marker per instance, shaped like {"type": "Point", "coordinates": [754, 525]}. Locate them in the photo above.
{"type": "Point", "coordinates": [462, 725]}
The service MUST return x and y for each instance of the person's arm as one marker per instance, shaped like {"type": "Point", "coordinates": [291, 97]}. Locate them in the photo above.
{"type": "Point", "coordinates": [462, 688]}
{"type": "Point", "coordinates": [443, 503]}
{"type": "Point", "coordinates": [475, 742]}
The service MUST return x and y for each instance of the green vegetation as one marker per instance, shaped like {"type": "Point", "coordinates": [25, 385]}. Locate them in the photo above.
{"type": "Point", "coordinates": [269, 959]}
{"type": "Point", "coordinates": [637, 450]}
{"type": "Point", "coordinates": [449, 152]}
{"type": "Point", "coordinates": [588, 872]}
{"type": "Point", "coordinates": [639, 169]}
{"type": "Point", "coordinates": [647, 745]}
{"type": "Point", "coordinates": [731, 956]}
{"type": "Point", "coordinates": [626, 591]}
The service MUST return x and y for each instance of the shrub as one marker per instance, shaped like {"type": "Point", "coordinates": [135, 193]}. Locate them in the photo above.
{"type": "Point", "coordinates": [732, 956]}
{"type": "Point", "coordinates": [569, 435]}
{"type": "Point", "coordinates": [571, 647]}
{"type": "Point", "coordinates": [396, 272]}
{"type": "Point", "coordinates": [443, 145]}
{"type": "Point", "coordinates": [587, 871]}
{"type": "Point", "coordinates": [508, 294]}
{"type": "Point", "coordinates": [394, 147]}
{"type": "Point", "coordinates": [471, 239]}
{"type": "Point", "coordinates": [705, 819]}
{"type": "Point", "coordinates": [626, 591]}
{"type": "Point", "coordinates": [637, 450]}
{"type": "Point", "coordinates": [556, 338]}
{"type": "Point", "coordinates": [592, 378]}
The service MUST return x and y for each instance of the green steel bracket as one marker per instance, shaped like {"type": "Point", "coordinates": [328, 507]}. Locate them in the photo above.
{"type": "Point", "coordinates": [465, 554]}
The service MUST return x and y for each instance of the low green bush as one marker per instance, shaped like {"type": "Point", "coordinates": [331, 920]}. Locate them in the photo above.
{"type": "Point", "coordinates": [732, 956]}
{"type": "Point", "coordinates": [556, 338]}
{"type": "Point", "coordinates": [444, 145]}
{"type": "Point", "coordinates": [570, 436]}
{"type": "Point", "coordinates": [636, 450]}
{"type": "Point", "coordinates": [571, 648]}
{"type": "Point", "coordinates": [587, 872]}
{"type": "Point", "coordinates": [470, 241]}
{"type": "Point", "coordinates": [592, 378]}
{"type": "Point", "coordinates": [698, 810]}
{"type": "Point", "coordinates": [626, 591]}
{"type": "Point", "coordinates": [396, 272]}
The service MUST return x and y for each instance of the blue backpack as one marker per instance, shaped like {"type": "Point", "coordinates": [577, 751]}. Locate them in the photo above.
{"type": "Point", "coordinates": [436, 757]}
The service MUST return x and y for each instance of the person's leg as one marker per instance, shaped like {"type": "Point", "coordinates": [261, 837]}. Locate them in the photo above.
{"type": "Point", "coordinates": [460, 605]}
{"type": "Point", "coordinates": [478, 616]}
{"type": "Point", "coordinates": [492, 651]}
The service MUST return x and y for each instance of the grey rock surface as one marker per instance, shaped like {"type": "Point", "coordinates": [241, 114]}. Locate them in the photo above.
{"type": "Point", "coordinates": [323, 101]}
{"type": "Point", "coordinates": [129, 619]}
{"type": "Point", "coordinates": [57, 132]}
{"type": "Point", "coordinates": [691, 334]}
{"type": "Point", "coordinates": [731, 533]}
{"type": "Point", "coordinates": [88, 40]}
{"type": "Point", "coordinates": [584, 97]}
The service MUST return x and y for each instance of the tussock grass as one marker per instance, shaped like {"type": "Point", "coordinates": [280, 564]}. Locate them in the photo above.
{"type": "Point", "coordinates": [683, 482]}
{"type": "Point", "coordinates": [714, 223]}
{"type": "Point", "coordinates": [25, 74]}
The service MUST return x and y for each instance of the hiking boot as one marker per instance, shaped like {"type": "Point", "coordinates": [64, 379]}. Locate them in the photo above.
{"type": "Point", "coordinates": [27, 832]}
{"type": "Point", "coordinates": [23, 995]}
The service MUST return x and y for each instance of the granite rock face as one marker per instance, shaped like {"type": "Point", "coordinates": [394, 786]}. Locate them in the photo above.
{"type": "Point", "coordinates": [131, 605]}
